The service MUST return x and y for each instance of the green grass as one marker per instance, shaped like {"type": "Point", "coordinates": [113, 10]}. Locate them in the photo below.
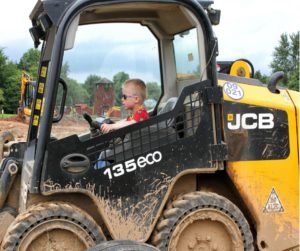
{"type": "Point", "coordinates": [5, 116]}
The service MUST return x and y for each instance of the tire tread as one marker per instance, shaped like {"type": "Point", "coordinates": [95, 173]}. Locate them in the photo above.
{"type": "Point", "coordinates": [43, 212]}
{"type": "Point", "coordinates": [189, 202]}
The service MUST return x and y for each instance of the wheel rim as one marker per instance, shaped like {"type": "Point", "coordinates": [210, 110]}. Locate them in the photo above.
{"type": "Point", "coordinates": [54, 235]}
{"type": "Point", "coordinates": [206, 229]}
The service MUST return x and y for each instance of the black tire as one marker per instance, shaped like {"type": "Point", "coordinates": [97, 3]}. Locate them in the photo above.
{"type": "Point", "coordinates": [202, 219]}
{"type": "Point", "coordinates": [127, 245]}
{"type": "Point", "coordinates": [52, 226]}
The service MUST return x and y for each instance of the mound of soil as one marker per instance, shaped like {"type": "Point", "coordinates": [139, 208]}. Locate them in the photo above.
{"type": "Point", "coordinates": [18, 128]}
{"type": "Point", "coordinates": [65, 127]}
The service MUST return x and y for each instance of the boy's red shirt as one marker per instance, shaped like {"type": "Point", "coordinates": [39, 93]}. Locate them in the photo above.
{"type": "Point", "coordinates": [140, 115]}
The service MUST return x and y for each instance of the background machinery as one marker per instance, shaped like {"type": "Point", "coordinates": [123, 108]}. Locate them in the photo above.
{"type": "Point", "coordinates": [27, 96]}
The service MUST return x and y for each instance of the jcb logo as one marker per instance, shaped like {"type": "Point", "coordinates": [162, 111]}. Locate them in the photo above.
{"type": "Point", "coordinates": [250, 121]}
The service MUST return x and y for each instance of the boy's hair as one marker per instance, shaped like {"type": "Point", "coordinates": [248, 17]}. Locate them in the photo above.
{"type": "Point", "coordinates": [140, 87]}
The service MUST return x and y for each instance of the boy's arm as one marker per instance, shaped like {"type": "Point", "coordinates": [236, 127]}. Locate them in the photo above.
{"type": "Point", "coordinates": [105, 128]}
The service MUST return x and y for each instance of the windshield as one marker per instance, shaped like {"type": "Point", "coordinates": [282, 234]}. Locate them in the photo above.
{"type": "Point", "coordinates": [103, 57]}
{"type": "Point", "coordinates": [187, 54]}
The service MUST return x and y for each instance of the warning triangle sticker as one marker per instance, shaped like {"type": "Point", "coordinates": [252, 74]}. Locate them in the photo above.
{"type": "Point", "coordinates": [273, 204]}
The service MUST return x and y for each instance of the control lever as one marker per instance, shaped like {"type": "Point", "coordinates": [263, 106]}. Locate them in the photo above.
{"type": "Point", "coordinates": [94, 125]}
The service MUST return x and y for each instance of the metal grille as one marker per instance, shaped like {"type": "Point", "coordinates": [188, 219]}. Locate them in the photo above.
{"type": "Point", "coordinates": [158, 131]}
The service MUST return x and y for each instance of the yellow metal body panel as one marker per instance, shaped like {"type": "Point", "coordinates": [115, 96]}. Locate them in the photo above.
{"type": "Point", "coordinates": [295, 96]}
{"type": "Point", "coordinates": [255, 180]}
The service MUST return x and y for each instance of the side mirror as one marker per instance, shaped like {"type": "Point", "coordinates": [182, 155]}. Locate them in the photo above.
{"type": "Point", "coordinates": [60, 101]}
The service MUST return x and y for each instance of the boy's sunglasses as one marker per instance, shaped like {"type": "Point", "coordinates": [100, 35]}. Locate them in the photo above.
{"type": "Point", "coordinates": [124, 96]}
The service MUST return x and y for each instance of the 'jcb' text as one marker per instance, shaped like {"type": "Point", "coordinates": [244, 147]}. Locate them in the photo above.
{"type": "Point", "coordinates": [250, 121]}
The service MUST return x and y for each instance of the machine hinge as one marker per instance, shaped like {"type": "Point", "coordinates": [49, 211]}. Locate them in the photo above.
{"type": "Point", "coordinates": [214, 95]}
{"type": "Point", "coordinates": [219, 152]}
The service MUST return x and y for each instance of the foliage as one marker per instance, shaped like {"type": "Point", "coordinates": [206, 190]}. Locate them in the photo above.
{"type": "Point", "coordinates": [76, 92]}
{"type": "Point", "coordinates": [286, 59]}
{"type": "Point", "coordinates": [294, 80]}
{"type": "Point", "coordinates": [262, 77]}
{"type": "Point", "coordinates": [9, 84]}
{"type": "Point", "coordinates": [11, 88]}
{"type": "Point", "coordinates": [89, 85]}
{"type": "Point", "coordinates": [153, 90]}
{"type": "Point", "coordinates": [65, 69]}
{"type": "Point", "coordinates": [1, 98]}
{"type": "Point", "coordinates": [29, 62]}
{"type": "Point", "coordinates": [3, 60]}
{"type": "Point", "coordinates": [118, 80]}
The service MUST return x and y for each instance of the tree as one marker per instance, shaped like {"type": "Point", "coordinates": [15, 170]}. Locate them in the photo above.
{"type": "Point", "coordinates": [118, 80]}
{"type": "Point", "coordinates": [153, 90]}
{"type": "Point", "coordinates": [9, 84]}
{"type": "Point", "coordinates": [1, 98]}
{"type": "Point", "coordinates": [89, 86]}
{"type": "Point", "coordinates": [76, 93]}
{"type": "Point", "coordinates": [262, 77]}
{"type": "Point", "coordinates": [294, 81]}
{"type": "Point", "coordinates": [11, 88]}
{"type": "Point", "coordinates": [29, 62]}
{"type": "Point", "coordinates": [286, 59]}
{"type": "Point", "coordinates": [65, 69]}
{"type": "Point", "coordinates": [3, 60]}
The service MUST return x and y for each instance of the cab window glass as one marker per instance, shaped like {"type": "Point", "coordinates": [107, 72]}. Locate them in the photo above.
{"type": "Point", "coordinates": [187, 54]}
{"type": "Point", "coordinates": [102, 58]}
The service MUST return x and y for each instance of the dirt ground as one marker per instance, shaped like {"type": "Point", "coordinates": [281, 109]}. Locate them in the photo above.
{"type": "Point", "coordinates": [67, 126]}
{"type": "Point", "coordinates": [15, 126]}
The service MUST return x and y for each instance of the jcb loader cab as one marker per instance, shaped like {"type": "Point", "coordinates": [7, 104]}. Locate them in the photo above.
{"type": "Point", "coordinates": [215, 167]}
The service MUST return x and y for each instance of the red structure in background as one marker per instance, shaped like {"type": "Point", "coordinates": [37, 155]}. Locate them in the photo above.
{"type": "Point", "coordinates": [104, 96]}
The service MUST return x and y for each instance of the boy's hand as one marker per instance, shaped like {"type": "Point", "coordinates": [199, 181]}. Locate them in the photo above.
{"type": "Point", "coordinates": [105, 128]}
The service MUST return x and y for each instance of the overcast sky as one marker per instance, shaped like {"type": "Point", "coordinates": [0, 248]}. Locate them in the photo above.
{"type": "Point", "coordinates": [248, 29]}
